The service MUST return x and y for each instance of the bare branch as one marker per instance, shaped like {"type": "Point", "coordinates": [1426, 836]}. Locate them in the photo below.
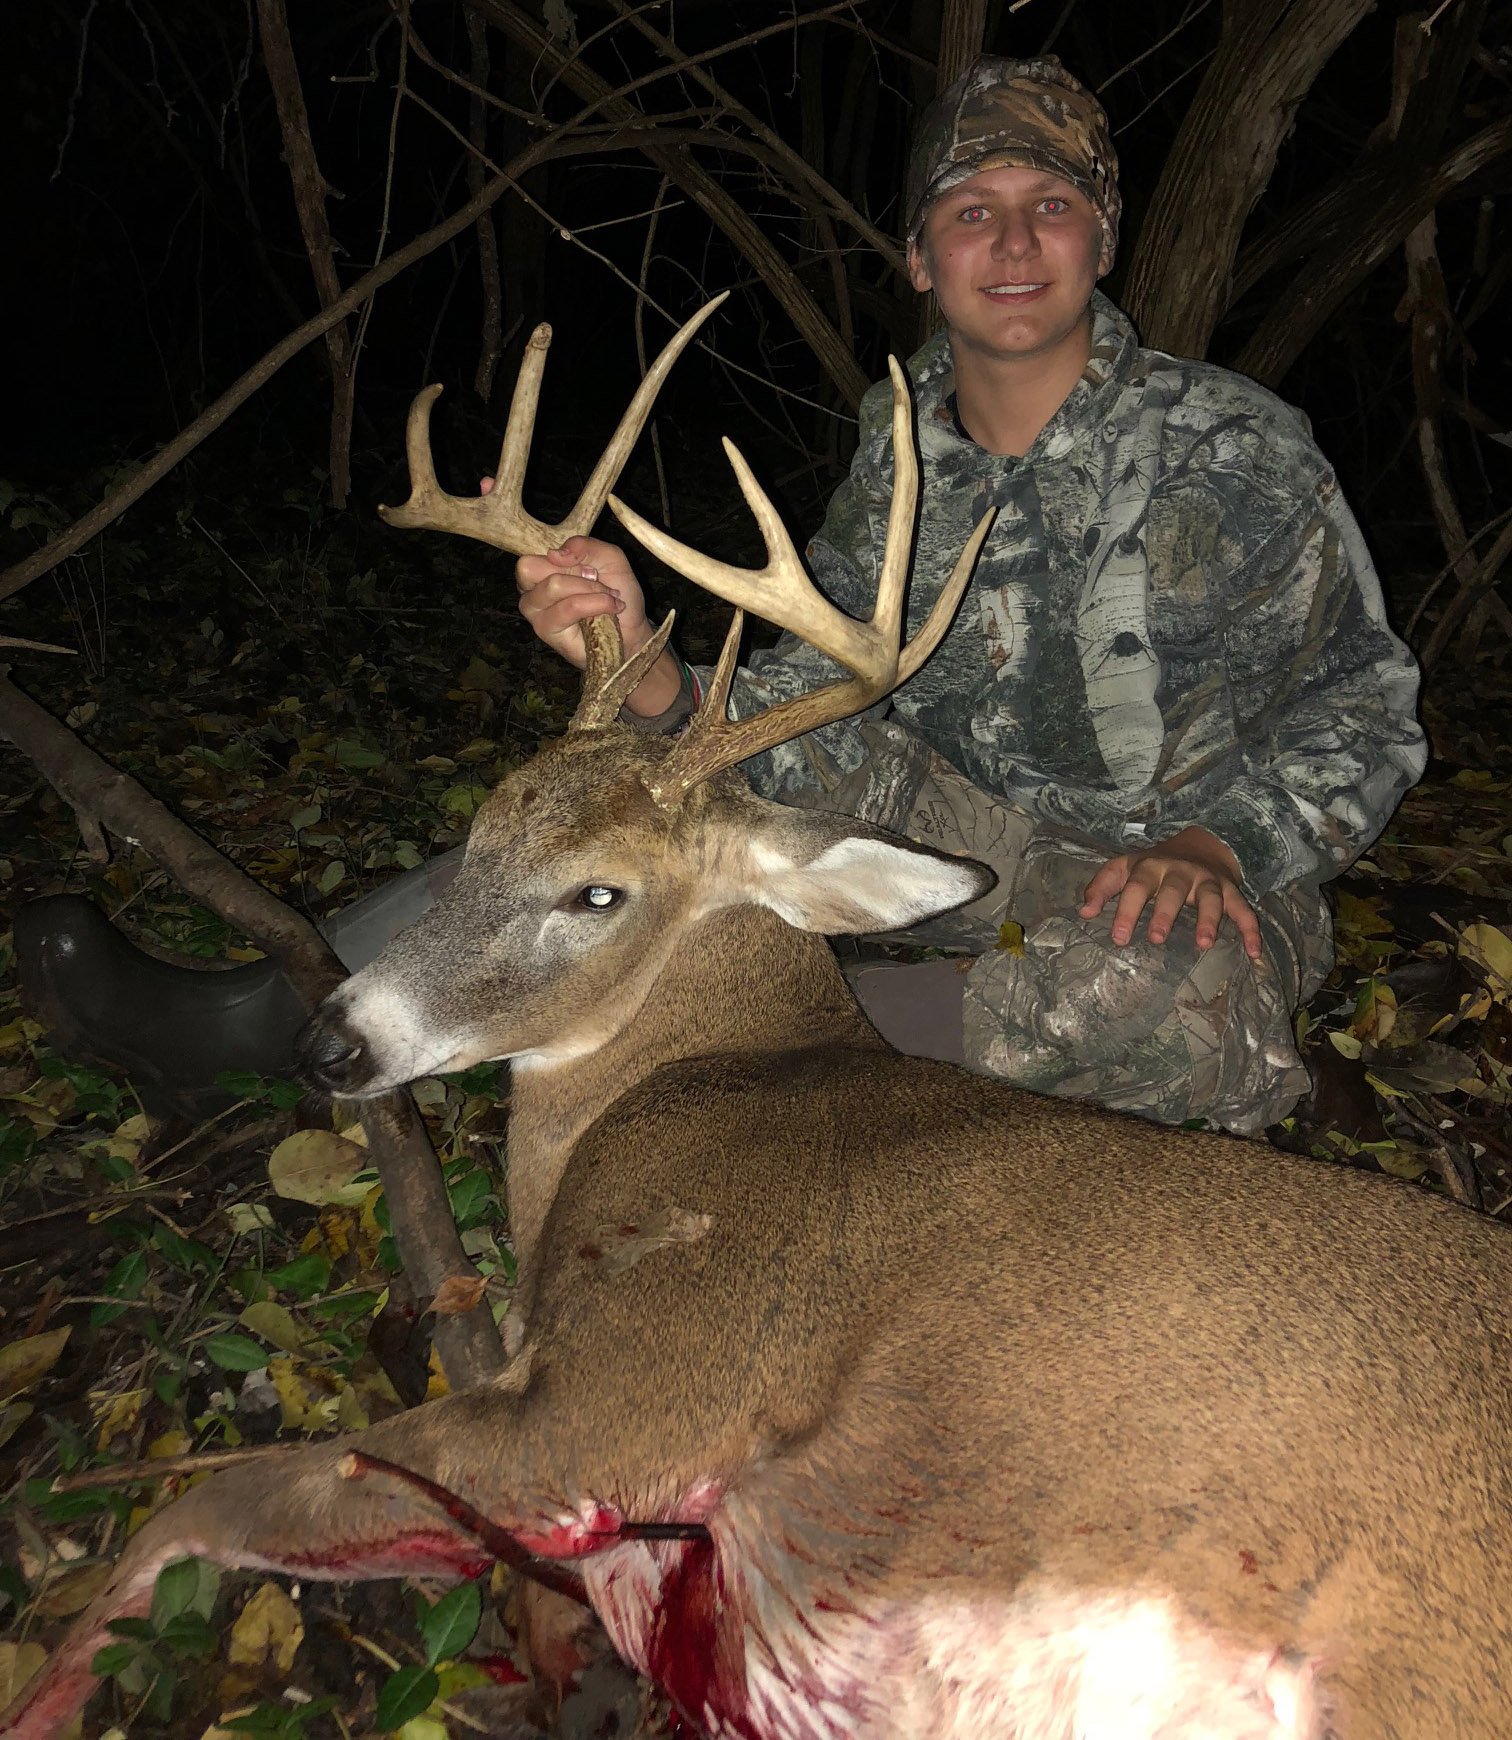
{"type": "Point", "coordinates": [310, 192]}
{"type": "Point", "coordinates": [74, 537]}
{"type": "Point", "coordinates": [103, 796]}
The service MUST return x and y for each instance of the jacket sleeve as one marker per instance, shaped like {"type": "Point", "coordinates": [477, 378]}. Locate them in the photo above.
{"type": "Point", "coordinates": [1324, 694]}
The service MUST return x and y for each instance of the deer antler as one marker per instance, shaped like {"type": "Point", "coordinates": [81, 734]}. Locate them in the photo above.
{"type": "Point", "coordinates": [782, 593]}
{"type": "Point", "coordinates": [499, 518]}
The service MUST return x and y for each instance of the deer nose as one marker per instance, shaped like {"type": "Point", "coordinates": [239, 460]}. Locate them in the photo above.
{"type": "Point", "coordinates": [328, 1054]}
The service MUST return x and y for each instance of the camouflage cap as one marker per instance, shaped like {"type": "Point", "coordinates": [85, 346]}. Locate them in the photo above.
{"type": "Point", "coordinates": [1021, 114]}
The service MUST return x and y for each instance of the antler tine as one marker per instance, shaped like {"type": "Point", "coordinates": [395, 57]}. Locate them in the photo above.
{"type": "Point", "coordinates": [499, 518]}
{"type": "Point", "coordinates": [590, 503]}
{"type": "Point", "coordinates": [605, 695]}
{"type": "Point", "coordinates": [782, 592]}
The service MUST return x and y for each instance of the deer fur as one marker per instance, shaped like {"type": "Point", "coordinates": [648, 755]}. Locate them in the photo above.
{"type": "Point", "coordinates": [1003, 1416]}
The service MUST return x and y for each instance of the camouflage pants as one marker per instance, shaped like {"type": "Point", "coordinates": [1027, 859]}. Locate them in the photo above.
{"type": "Point", "coordinates": [1169, 1031]}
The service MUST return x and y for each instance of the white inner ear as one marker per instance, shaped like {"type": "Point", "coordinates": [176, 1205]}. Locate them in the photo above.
{"type": "Point", "coordinates": [862, 884]}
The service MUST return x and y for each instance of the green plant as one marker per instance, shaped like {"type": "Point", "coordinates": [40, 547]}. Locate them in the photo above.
{"type": "Point", "coordinates": [151, 1653]}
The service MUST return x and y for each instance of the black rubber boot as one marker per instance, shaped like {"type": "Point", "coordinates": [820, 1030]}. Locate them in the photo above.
{"type": "Point", "coordinates": [172, 1029]}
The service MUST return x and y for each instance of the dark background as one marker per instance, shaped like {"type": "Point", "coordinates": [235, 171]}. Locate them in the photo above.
{"type": "Point", "coordinates": [153, 252]}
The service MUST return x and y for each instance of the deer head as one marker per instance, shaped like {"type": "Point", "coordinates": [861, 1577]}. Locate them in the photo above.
{"type": "Point", "coordinates": [585, 868]}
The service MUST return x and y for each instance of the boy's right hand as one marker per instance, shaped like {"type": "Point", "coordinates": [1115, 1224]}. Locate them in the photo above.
{"type": "Point", "coordinates": [586, 577]}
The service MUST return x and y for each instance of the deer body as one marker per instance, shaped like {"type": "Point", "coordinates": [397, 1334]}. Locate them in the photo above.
{"type": "Point", "coordinates": [1016, 1419]}
{"type": "Point", "coordinates": [974, 1414]}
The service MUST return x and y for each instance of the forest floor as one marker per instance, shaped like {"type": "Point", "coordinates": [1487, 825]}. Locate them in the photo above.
{"type": "Point", "coordinates": [329, 706]}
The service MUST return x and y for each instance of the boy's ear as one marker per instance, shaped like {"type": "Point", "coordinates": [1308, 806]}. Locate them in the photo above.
{"type": "Point", "coordinates": [918, 269]}
{"type": "Point", "coordinates": [838, 876]}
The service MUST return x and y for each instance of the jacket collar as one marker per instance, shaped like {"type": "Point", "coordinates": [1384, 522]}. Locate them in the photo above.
{"type": "Point", "coordinates": [1109, 366]}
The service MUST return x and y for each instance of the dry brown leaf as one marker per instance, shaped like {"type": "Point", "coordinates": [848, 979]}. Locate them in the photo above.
{"type": "Point", "coordinates": [72, 1590]}
{"type": "Point", "coordinates": [23, 1362]}
{"type": "Point", "coordinates": [458, 1293]}
{"type": "Point", "coordinates": [317, 1166]}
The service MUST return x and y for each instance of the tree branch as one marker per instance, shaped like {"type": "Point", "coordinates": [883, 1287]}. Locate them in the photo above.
{"type": "Point", "coordinates": [74, 537]}
{"type": "Point", "coordinates": [424, 1228]}
{"type": "Point", "coordinates": [701, 187]}
{"type": "Point", "coordinates": [310, 191]}
{"type": "Point", "coordinates": [1270, 54]}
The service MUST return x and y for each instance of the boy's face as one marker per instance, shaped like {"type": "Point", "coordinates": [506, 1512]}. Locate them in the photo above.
{"type": "Point", "coordinates": [1013, 256]}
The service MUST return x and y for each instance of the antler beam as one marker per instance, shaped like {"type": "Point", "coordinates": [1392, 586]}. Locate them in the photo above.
{"type": "Point", "coordinates": [783, 593]}
{"type": "Point", "coordinates": [499, 518]}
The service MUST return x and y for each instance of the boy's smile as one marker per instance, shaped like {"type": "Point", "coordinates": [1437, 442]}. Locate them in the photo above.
{"type": "Point", "coordinates": [1013, 256]}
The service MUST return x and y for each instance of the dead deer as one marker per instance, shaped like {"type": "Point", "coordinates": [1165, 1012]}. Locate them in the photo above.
{"type": "Point", "coordinates": [872, 1398]}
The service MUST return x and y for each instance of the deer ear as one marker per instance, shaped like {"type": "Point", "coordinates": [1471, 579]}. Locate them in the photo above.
{"type": "Point", "coordinates": [838, 876]}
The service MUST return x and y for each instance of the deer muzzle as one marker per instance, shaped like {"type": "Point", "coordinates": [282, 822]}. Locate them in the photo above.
{"type": "Point", "coordinates": [330, 1055]}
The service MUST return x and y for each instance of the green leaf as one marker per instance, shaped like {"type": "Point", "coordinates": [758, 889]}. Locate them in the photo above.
{"type": "Point", "coordinates": [110, 1660]}
{"type": "Point", "coordinates": [448, 1627]}
{"type": "Point", "coordinates": [470, 1196]}
{"type": "Point", "coordinates": [235, 1352]}
{"type": "Point", "coordinates": [135, 1628]}
{"type": "Point", "coordinates": [174, 1591]}
{"type": "Point", "coordinates": [185, 1254]}
{"type": "Point", "coordinates": [406, 1693]}
{"type": "Point", "coordinates": [303, 1277]}
{"type": "Point", "coordinates": [125, 1281]}
{"type": "Point", "coordinates": [160, 1694]}
{"type": "Point", "coordinates": [246, 1084]}
{"type": "Point", "coordinates": [190, 1634]}
{"type": "Point", "coordinates": [482, 1078]}
{"type": "Point", "coordinates": [352, 754]}
{"type": "Point", "coordinates": [184, 1589]}
{"type": "Point", "coordinates": [61, 1507]}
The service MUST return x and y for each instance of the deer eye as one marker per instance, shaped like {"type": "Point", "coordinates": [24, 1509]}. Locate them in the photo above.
{"type": "Point", "coordinates": [597, 898]}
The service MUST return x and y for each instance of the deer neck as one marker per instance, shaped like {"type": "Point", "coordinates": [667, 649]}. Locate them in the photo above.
{"type": "Point", "coordinates": [739, 980]}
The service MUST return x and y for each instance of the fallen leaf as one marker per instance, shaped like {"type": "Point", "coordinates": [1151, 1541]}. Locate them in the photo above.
{"type": "Point", "coordinates": [115, 1413]}
{"type": "Point", "coordinates": [23, 1362]}
{"type": "Point", "coordinates": [13, 1416]}
{"type": "Point", "coordinates": [20, 1663]}
{"type": "Point", "coordinates": [269, 1625]}
{"type": "Point", "coordinates": [307, 1407]}
{"type": "Point", "coordinates": [74, 1587]}
{"type": "Point", "coordinates": [1489, 949]}
{"type": "Point", "coordinates": [458, 1293]}
{"type": "Point", "coordinates": [1010, 937]}
{"type": "Point", "coordinates": [276, 1323]}
{"type": "Point", "coordinates": [317, 1166]}
{"type": "Point", "coordinates": [1432, 1069]}
{"type": "Point", "coordinates": [249, 1217]}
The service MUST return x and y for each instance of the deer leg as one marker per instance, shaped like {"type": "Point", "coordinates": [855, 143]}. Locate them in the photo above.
{"type": "Point", "coordinates": [394, 1501]}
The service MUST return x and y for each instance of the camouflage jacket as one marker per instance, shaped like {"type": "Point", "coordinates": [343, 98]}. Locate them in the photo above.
{"type": "Point", "coordinates": [1175, 620]}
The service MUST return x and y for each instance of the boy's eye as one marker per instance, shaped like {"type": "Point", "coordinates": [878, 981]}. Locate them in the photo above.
{"type": "Point", "coordinates": [1055, 205]}
{"type": "Point", "coordinates": [973, 214]}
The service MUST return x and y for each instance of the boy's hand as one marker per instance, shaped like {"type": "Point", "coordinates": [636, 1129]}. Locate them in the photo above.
{"type": "Point", "coordinates": [1192, 868]}
{"type": "Point", "coordinates": [586, 577]}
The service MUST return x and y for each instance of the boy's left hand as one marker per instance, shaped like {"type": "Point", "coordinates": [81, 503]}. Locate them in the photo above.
{"type": "Point", "coordinates": [1192, 868]}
